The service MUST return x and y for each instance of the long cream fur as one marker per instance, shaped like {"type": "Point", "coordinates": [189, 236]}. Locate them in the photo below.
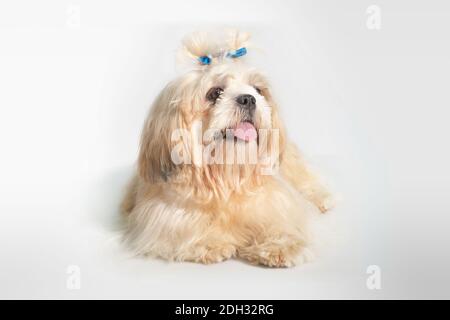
{"type": "Point", "coordinates": [211, 212]}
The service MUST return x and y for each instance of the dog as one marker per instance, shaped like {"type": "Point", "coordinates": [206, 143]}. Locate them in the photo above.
{"type": "Point", "coordinates": [217, 176]}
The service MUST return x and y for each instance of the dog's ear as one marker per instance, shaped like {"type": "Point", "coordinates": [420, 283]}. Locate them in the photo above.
{"type": "Point", "coordinates": [154, 161]}
{"type": "Point", "coordinates": [278, 125]}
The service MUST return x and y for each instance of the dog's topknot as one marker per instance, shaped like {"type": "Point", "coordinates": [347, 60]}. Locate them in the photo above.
{"type": "Point", "coordinates": [199, 44]}
{"type": "Point", "coordinates": [204, 48]}
{"type": "Point", "coordinates": [236, 39]}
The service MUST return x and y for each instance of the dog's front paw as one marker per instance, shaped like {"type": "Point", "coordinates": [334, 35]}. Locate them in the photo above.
{"type": "Point", "coordinates": [327, 203]}
{"type": "Point", "coordinates": [216, 254]}
{"type": "Point", "coordinates": [276, 255]}
{"type": "Point", "coordinates": [277, 258]}
{"type": "Point", "coordinates": [324, 201]}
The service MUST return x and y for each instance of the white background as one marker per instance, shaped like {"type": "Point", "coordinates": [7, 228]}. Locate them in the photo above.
{"type": "Point", "coordinates": [368, 107]}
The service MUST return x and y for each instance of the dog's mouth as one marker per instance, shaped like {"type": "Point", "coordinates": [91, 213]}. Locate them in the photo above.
{"type": "Point", "coordinates": [244, 131]}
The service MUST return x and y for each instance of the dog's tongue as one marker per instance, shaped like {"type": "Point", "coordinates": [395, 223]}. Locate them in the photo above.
{"type": "Point", "coordinates": [245, 131]}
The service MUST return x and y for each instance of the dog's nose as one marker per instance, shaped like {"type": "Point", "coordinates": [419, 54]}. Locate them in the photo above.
{"type": "Point", "coordinates": [246, 101]}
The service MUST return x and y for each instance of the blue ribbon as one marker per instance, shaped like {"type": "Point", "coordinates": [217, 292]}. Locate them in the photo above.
{"type": "Point", "coordinates": [237, 53]}
{"type": "Point", "coordinates": [205, 60]}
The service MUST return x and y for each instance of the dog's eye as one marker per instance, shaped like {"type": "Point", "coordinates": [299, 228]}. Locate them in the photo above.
{"type": "Point", "coordinates": [258, 90]}
{"type": "Point", "coordinates": [214, 93]}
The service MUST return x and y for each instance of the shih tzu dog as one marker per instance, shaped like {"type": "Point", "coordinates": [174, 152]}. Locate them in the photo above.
{"type": "Point", "coordinates": [217, 176]}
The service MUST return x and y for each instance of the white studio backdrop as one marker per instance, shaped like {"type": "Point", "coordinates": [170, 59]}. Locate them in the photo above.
{"type": "Point", "coordinates": [363, 88]}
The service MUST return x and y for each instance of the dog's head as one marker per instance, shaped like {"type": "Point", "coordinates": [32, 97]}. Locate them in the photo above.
{"type": "Point", "coordinates": [221, 99]}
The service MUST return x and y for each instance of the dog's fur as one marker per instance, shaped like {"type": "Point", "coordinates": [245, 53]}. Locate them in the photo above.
{"type": "Point", "coordinates": [211, 212]}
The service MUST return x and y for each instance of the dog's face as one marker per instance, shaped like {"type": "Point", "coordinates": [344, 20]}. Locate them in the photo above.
{"type": "Point", "coordinates": [226, 100]}
{"type": "Point", "coordinates": [230, 100]}
{"type": "Point", "coordinates": [236, 102]}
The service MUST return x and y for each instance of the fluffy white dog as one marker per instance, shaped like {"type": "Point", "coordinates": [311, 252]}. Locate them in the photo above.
{"type": "Point", "coordinates": [217, 177]}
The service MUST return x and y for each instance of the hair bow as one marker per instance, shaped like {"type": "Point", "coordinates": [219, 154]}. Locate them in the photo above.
{"type": "Point", "coordinates": [206, 60]}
